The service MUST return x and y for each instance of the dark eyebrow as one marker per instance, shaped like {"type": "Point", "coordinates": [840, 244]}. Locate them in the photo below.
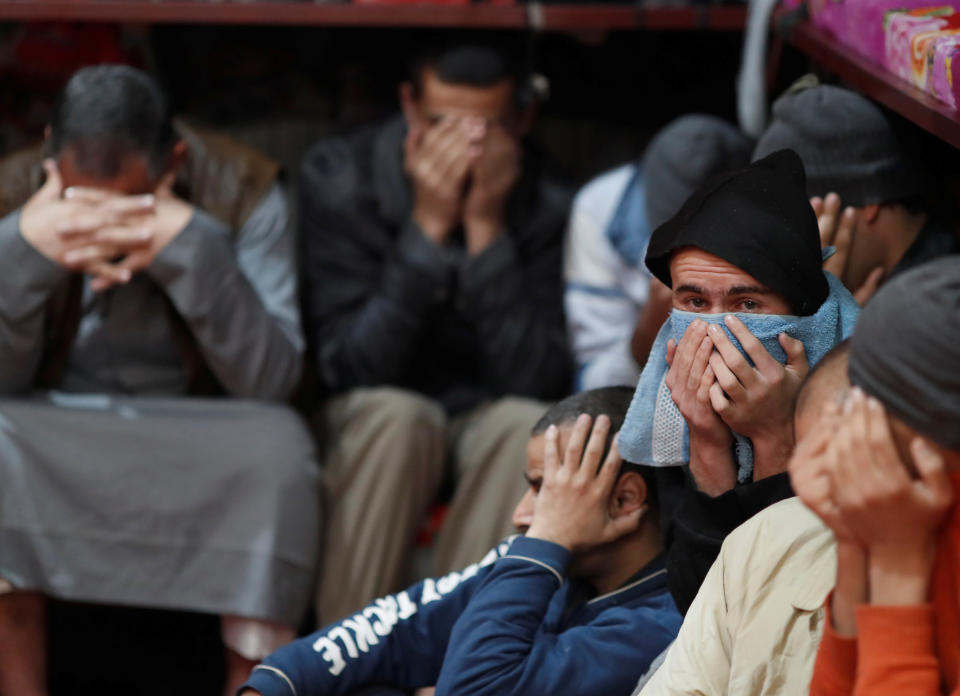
{"type": "Point", "coordinates": [690, 288]}
{"type": "Point", "coordinates": [748, 290]}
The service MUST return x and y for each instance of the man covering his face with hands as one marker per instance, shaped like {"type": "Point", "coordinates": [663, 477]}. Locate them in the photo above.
{"type": "Point", "coordinates": [752, 310]}
{"type": "Point", "coordinates": [435, 296]}
{"type": "Point", "coordinates": [578, 605]}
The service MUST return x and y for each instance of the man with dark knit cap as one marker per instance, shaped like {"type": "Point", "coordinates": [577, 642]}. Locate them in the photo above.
{"type": "Point", "coordinates": [885, 483]}
{"type": "Point", "coordinates": [891, 220]}
{"type": "Point", "coordinates": [614, 306]}
{"type": "Point", "coordinates": [752, 310]}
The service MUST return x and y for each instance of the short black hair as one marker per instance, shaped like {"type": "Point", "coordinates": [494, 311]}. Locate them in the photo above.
{"type": "Point", "coordinates": [470, 64]}
{"type": "Point", "coordinates": [612, 402]}
{"type": "Point", "coordinates": [107, 112]}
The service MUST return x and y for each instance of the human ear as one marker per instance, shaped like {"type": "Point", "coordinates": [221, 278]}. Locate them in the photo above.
{"type": "Point", "coordinates": [869, 213]}
{"type": "Point", "coordinates": [408, 103]}
{"type": "Point", "coordinates": [629, 495]}
{"type": "Point", "coordinates": [178, 156]}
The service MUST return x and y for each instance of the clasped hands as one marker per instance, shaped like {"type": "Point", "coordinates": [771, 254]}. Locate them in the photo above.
{"type": "Point", "coordinates": [463, 169]}
{"type": "Point", "coordinates": [105, 235]}
{"type": "Point", "coordinates": [718, 391]}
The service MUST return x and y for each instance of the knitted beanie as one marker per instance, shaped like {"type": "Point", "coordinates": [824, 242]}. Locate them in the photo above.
{"type": "Point", "coordinates": [846, 144]}
{"type": "Point", "coordinates": [685, 153]}
{"type": "Point", "coordinates": [758, 219]}
{"type": "Point", "coordinates": [905, 349]}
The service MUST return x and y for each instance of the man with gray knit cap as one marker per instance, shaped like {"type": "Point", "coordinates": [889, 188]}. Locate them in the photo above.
{"type": "Point", "coordinates": [891, 220]}
{"type": "Point", "coordinates": [886, 482]}
{"type": "Point", "coordinates": [614, 306]}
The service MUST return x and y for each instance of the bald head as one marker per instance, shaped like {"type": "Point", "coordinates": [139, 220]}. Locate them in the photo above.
{"type": "Point", "coordinates": [828, 381]}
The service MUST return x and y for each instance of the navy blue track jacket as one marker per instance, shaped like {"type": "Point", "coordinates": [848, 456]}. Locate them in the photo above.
{"type": "Point", "coordinates": [511, 625]}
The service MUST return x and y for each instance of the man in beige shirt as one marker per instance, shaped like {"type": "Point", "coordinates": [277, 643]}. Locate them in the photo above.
{"type": "Point", "coordinates": [755, 625]}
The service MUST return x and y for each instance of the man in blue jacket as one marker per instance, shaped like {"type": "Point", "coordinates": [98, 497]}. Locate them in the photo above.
{"type": "Point", "coordinates": [578, 605]}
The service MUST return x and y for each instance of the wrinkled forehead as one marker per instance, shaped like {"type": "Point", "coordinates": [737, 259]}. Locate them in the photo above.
{"type": "Point", "coordinates": [699, 268]}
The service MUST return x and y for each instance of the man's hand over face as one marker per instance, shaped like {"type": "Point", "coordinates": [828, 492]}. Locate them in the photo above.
{"type": "Point", "coordinates": [573, 505]}
{"type": "Point", "coordinates": [810, 471]}
{"type": "Point", "coordinates": [493, 176]}
{"type": "Point", "coordinates": [757, 401]}
{"type": "Point", "coordinates": [837, 230]}
{"type": "Point", "coordinates": [85, 230]}
{"type": "Point", "coordinates": [160, 226]}
{"type": "Point", "coordinates": [438, 160]}
{"type": "Point", "coordinates": [896, 517]}
{"type": "Point", "coordinates": [689, 380]}
{"type": "Point", "coordinates": [810, 468]}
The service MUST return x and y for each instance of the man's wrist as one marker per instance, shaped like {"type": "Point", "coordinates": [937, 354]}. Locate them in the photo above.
{"type": "Point", "coordinates": [434, 228]}
{"type": "Point", "coordinates": [771, 453]}
{"type": "Point", "coordinates": [711, 464]}
{"type": "Point", "coordinates": [481, 232]}
{"type": "Point", "coordinates": [544, 533]}
{"type": "Point", "coordinates": [851, 587]}
{"type": "Point", "coordinates": [899, 575]}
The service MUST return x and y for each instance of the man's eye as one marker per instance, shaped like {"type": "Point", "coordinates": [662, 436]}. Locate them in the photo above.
{"type": "Point", "coordinates": [749, 305]}
{"type": "Point", "coordinates": [697, 302]}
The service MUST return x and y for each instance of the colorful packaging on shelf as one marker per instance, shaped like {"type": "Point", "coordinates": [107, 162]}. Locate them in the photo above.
{"type": "Point", "coordinates": [917, 40]}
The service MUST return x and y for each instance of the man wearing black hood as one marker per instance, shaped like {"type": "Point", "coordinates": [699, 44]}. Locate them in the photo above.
{"type": "Point", "coordinates": [752, 310]}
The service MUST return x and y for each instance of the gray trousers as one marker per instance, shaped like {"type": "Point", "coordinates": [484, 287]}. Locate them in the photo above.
{"type": "Point", "coordinates": [196, 504]}
{"type": "Point", "coordinates": [384, 467]}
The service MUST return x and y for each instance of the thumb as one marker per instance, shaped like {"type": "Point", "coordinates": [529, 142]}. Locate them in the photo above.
{"type": "Point", "coordinates": [796, 354]}
{"type": "Point", "coordinates": [53, 186]}
{"type": "Point", "coordinates": [932, 472]}
{"type": "Point", "coordinates": [869, 287]}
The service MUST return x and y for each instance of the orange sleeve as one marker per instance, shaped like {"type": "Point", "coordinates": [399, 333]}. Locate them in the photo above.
{"type": "Point", "coordinates": [896, 653]}
{"type": "Point", "coordinates": [835, 670]}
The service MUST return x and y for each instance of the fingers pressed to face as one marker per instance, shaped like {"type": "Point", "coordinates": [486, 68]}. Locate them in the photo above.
{"type": "Point", "coordinates": [726, 379]}
{"type": "Point", "coordinates": [930, 465]}
{"type": "Point", "coordinates": [578, 439]}
{"type": "Point", "coordinates": [671, 351]}
{"type": "Point", "coordinates": [434, 136]}
{"type": "Point", "coordinates": [611, 465]}
{"type": "Point", "coordinates": [731, 357]}
{"type": "Point", "coordinates": [551, 452]}
{"type": "Point", "coordinates": [796, 353]}
{"type": "Point", "coordinates": [817, 204]}
{"type": "Point", "coordinates": [883, 451]}
{"type": "Point", "coordinates": [844, 236]}
{"type": "Point", "coordinates": [827, 218]}
{"type": "Point", "coordinates": [703, 390]}
{"type": "Point", "coordinates": [870, 285]}
{"type": "Point", "coordinates": [593, 455]}
{"type": "Point", "coordinates": [700, 362]}
{"type": "Point", "coordinates": [751, 344]}
{"type": "Point", "coordinates": [454, 162]}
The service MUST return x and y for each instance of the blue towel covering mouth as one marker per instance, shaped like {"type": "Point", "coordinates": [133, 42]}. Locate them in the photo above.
{"type": "Point", "coordinates": [655, 433]}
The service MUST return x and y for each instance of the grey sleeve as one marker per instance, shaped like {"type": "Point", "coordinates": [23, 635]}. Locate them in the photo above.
{"type": "Point", "coordinates": [239, 300]}
{"type": "Point", "coordinates": [266, 253]}
{"type": "Point", "coordinates": [27, 280]}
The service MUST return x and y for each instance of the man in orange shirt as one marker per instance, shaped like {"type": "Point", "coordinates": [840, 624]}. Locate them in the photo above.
{"type": "Point", "coordinates": [884, 480]}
